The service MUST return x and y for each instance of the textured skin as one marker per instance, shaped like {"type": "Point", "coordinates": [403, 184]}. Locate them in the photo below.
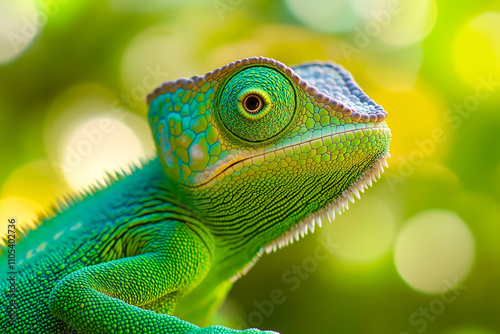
{"type": "Point", "coordinates": [169, 240]}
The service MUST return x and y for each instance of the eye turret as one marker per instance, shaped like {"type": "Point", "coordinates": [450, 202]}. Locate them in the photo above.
{"type": "Point", "coordinates": [256, 104]}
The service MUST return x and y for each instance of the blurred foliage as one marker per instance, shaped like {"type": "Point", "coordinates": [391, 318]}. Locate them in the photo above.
{"type": "Point", "coordinates": [418, 254]}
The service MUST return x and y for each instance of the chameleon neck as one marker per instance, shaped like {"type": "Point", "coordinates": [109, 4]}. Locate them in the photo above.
{"type": "Point", "coordinates": [135, 205]}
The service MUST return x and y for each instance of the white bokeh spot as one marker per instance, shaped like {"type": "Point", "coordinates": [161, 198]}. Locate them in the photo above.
{"type": "Point", "coordinates": [434, 251]}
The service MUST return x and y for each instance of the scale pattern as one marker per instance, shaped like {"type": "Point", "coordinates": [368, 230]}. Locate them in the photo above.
{"type": "Point", "coordinates": [166, 242]}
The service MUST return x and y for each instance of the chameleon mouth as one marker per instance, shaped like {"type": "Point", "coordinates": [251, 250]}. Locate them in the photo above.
{"type": "Point", "coordinates": [339, 205]}
{"type": "Point", "coordinates": [229, 168]}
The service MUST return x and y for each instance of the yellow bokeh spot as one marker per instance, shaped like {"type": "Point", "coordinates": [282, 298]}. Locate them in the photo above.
{"type": "Point", "coordinates": [23, 210]}
{"type": "Point", "coordinates": [36, 181]}
{"type": "Point", "coordinates": [419, 132]}
{"type": "Point", "coordinates": [365, 233]}
{"type": "Point", "coordinates": [434, 251]}
{"type": "Point", "coordinates": [476, 49]}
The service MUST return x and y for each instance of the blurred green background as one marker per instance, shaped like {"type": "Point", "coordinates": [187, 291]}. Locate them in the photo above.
{"type": "Point", "coordinates": [418, 254]}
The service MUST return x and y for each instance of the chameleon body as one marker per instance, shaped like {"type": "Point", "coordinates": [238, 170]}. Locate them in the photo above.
{"type": "Point", "coordinates": [250, 157]}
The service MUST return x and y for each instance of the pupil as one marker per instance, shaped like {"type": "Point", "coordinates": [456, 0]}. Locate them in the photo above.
{"type": "Point", "coordinates": [252, 103]}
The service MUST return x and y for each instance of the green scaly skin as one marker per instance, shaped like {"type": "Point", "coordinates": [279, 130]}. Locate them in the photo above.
{"type": "Point", "coordinates": [250, 157]}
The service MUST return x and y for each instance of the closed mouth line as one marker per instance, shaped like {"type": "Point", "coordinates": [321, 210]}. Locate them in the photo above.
{"type": "Point", "coordinates": [384, 129]}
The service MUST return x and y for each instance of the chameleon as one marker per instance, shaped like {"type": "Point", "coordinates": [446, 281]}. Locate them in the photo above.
{"type": "Point", "coordinates": [250, 158]}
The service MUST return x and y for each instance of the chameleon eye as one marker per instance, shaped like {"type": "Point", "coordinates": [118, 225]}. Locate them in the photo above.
{"type": "Point", "coordinates": [256, 104]}
{"type": "Point", "coordinates": [253, 103]}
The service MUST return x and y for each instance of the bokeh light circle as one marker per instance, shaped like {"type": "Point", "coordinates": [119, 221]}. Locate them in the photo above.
{"type": "Point", "coordinates": [434, 251]}
{"type": "Point", "coordinates": [20, 22]}
{"type": "Point", "coordinates": [400, 71]}
{"type": "Point", "coordinates": [23, 210]}
{"type": "Point", "coordinates": [147, 63]}
{"type": "Point", "coordinates": [96, 146]}
{"type": "Point", "coordinates": [365, 234]}
{"type": "Point", "coordinates": [476, 49]}
{"type": "Point", "coordinates": [36, 181]}
{"type": "Point", "coordinates": [324, 15]}
{"type": "Point", "coordinates": [88, 132]}
{"type": "Point", "coordinates": [410, 24]}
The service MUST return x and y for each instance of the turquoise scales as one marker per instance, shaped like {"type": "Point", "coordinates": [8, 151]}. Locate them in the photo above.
{"type": "Point", "coordinates": [250, 158]}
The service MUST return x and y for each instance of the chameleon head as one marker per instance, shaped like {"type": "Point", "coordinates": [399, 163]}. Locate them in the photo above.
{"type": "Point", "coordinates": [266, 151]}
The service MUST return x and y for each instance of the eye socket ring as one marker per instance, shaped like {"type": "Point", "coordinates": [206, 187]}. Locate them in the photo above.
{"type": "Point", "coordinates": [253, 104]}
{"type": "Point", "coordinates": [251, 108]}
